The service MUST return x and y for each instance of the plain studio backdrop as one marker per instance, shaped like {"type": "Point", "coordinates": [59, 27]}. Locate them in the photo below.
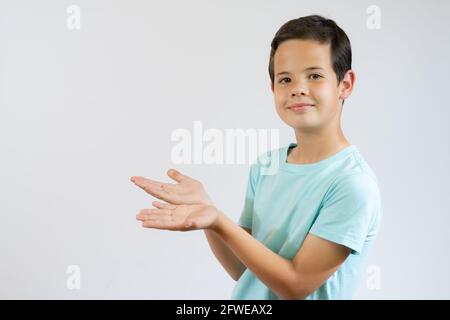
{"type": "Point", "coordinates": [83, 110]}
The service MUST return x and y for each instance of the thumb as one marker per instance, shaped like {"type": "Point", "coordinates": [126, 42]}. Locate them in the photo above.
{"type": "Point", "coordinates": [176, 175]}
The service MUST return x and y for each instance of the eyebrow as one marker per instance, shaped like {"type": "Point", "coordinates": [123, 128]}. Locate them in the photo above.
{"type": "Point", "coordinates": [307, 69]}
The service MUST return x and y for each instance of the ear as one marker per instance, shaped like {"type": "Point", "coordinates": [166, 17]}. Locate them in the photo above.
{"type": "Point", "coordinates": [271, 86]}
{"type": "Point", "coordinates": [346, 85]}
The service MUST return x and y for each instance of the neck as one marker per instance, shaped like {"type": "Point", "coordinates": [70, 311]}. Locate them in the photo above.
{"type": "Point", "coordinates": [313, 146]}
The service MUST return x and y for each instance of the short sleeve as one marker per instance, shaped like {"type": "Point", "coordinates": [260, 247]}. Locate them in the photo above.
{"type": "Point", "coordinates": [349, 212]}
{"type": "Point", "coordinates": [246, 217]}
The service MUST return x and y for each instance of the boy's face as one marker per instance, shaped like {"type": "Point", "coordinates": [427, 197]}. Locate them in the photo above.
{"type": "Point", "coordinates": [302, 84]}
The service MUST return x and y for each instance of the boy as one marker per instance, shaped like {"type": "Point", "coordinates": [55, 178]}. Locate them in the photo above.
{"type": "Point", "coordinates": [310, 224]}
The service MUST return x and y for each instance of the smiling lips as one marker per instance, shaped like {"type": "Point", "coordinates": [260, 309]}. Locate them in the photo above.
{"type": "Point", "coordinates": [300, 107]}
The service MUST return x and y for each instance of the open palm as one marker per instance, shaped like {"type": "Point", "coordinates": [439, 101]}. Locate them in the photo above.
{"type": "Point", "coordinates": [178, 217]}
{"type": "Point", "coordinates": [186, 191]}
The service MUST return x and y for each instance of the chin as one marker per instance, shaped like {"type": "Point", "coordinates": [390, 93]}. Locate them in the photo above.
{"type": "Point", "coordinates": [302, 121]}
{"type": "Point", "coordinates": [301, 124]}
{"type": "Point", "coordinates": [304, 128]}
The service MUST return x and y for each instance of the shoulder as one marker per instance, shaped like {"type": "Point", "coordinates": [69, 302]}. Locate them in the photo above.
{"type": "Point", "coordinates": [356, 184]}
{"type": "Point", "coordinates": [354, 199]}
{"type": "Point", "coordinates": [355, 174]}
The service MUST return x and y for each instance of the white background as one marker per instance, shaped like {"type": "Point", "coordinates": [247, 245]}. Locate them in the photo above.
{"type": "Point", "coordinates": [84, 110]}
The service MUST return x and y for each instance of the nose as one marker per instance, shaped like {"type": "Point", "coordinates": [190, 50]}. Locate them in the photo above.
{"type": "Point", "coordinates": [300, 92]}
{"type": "Point", "coordinates": [299, 89]}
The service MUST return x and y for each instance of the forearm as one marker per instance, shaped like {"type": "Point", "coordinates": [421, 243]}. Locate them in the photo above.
{"type": "Point", "coordinates": [275, 271]}
{"type": "Point", "coordinates": [225, 255]}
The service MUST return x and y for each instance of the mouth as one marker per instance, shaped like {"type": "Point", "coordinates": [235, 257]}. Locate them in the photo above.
{"type": "Point", "coordinates": [300, 107]}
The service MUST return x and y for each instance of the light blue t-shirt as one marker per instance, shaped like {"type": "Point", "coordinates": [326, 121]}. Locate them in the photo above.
{"type": "Point", "coordinates": [337, 199]}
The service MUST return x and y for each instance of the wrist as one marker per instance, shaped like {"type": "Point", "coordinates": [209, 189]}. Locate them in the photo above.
{"type": "Point", "coordinates": [218, 221]}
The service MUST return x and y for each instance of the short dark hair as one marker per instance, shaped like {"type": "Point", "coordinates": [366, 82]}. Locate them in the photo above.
{"type": "Point", "coordinates": [318, 28]}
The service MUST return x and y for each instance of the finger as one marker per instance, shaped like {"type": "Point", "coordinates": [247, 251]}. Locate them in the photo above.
{"type": "Point", "coordinates": [141, 181]}
{"type": "Point", "coordinates": [160, 224]}
{"type": "Point", "coordinates": [148, 213]}
{"type": "Point", "coordinates": [154, 217]}
{"type": "Point", "coordinates": [155, 188]}
{"type": "Point", "coordinates": [176, 175]}
{"type": "Point", "coordinates": [156, 211]}
{"type": "Point", "coordinates": [161, 205]}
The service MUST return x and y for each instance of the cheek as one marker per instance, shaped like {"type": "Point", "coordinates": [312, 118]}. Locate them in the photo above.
{"type": "Point", "coordinates": [280, 104]}
{"type": "Point", "coordinates": [279, 99]}
{"type": "Point", "coordinates": [324, 93]}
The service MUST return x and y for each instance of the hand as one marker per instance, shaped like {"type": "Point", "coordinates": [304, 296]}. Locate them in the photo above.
{"type": "Point", "coordinates": [186, 191]}
{"type": "Point", "coordinates": [179, 217]}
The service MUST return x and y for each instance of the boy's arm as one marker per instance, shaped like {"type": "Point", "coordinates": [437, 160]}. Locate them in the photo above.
{"type": "Point", "coordinates": [225, 255]}
{"type": "Point", "coordinates": [191, 191]}
{"type": "Point", "coordinates": [313, 264]}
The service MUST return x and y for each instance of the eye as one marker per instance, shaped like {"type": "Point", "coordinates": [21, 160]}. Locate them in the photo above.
{"type": "Point", "coordinates": [281, 81]}
{"type": "Point", "coordinates": [315, 76]}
